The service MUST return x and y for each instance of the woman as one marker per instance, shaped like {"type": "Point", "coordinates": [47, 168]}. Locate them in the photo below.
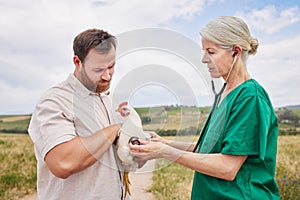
{"type": "Point", "coordinates": [237, 150]}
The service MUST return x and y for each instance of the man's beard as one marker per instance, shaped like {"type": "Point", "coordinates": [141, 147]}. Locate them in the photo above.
{"type": "Point", "coordinates": [96, 87]}
{"type": "Point", "coordinates": [102, 88]}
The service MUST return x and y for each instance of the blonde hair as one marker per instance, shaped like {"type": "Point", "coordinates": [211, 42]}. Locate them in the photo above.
{"type": "Point", "coordinates": [230, 31]}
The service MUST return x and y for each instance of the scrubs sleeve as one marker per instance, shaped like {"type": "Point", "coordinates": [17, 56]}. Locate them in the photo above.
{"type": "Point", "coordinates": [247, 129]}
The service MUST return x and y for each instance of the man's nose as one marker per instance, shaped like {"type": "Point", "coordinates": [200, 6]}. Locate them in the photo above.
{"type": "Point", "coordinates": [106, 75]}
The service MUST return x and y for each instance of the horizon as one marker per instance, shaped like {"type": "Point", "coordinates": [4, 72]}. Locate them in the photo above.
{"type": "Point", "coordinates": [176, 106]}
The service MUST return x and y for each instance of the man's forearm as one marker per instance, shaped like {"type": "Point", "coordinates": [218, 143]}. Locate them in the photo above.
{"type": "Point", "coordinates": [81, 152]}
{"type": "Point", "coordinates": [100, 141]}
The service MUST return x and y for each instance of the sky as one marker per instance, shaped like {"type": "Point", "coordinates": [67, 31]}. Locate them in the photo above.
{"type": "Point", "coordinates": [159, 55]}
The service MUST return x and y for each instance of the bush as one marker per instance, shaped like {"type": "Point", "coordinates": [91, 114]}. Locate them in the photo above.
{"type": "Point", "coordinates": [183, 132]}
{"type": "Point", "coordinates": [290, 131]}
{"type": "Point", "coordinates": [163, 132]}
{"type": "Point", "coordinates": [14, 130]}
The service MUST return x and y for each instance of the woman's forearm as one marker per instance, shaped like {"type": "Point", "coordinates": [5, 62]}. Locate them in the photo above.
{"type": "Point", "coordinates": [217, 165]}
{"type": "Point", "coordinates": [185, 146]}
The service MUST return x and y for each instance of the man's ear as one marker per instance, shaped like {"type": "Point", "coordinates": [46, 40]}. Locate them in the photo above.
{"type": "Point", "coordinates": [77, 62]}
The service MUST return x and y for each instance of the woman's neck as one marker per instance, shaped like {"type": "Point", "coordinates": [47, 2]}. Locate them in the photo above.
{"type": "Point", "coordinates": [239, 75]}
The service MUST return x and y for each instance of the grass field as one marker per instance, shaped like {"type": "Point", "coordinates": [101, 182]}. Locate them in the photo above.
{"type": "Point", "coordinates": [18, 164]}
{"type": "Point", "coordinates": [18, 171]}
{"type": "Point", "coordinates": [14, 123]}
{"type": "Point", "coordinates": [171, 117]}
{"type": "Point", "coordinates": [297, 111]}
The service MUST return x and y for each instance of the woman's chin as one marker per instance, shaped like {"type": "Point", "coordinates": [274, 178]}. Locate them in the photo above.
{"type": "Point", "coordinates": [213, 75]}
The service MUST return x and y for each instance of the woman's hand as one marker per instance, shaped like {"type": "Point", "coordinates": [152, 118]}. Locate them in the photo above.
{"type": "Point", "coordinates": [156, 138]}
{"type": "Point", "coordinates": [148, 150]}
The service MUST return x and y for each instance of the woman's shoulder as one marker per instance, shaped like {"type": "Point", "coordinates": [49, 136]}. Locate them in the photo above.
{"type": "Point", "coordinates": [251, 89]}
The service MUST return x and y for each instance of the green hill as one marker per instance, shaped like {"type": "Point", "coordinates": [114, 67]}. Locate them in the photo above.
{"type": "Point", "coordinates": [14, 123]}
{"type": "Point", "coordinates": [168, 120]}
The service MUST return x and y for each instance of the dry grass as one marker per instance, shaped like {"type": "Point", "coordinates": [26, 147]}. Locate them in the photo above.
{"type": "Point", "coordinates": [172, 181]}
{"type": "Point", "coordinates": [17, 166]}
{"type": "Point", "coordinates": [288, 166]}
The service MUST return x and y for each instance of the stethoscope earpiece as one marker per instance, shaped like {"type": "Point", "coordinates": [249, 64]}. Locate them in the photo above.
{"type": "Point", "coordinates": [234, 54]}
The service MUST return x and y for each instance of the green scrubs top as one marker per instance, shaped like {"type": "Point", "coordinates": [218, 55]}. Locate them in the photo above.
{"type": "Point", "coordinates": [244, 123]}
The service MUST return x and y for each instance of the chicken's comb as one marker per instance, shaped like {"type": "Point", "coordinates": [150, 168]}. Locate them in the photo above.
{"type": "Point", "coordinates": [125, 103]}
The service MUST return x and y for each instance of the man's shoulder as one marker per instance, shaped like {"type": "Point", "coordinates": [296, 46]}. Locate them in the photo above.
{"type": "Point", "coordinates": [59, 90]}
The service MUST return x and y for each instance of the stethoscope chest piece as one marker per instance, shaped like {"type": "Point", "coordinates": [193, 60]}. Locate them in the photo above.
{"type": "Point", "coordinates": [134, 140]}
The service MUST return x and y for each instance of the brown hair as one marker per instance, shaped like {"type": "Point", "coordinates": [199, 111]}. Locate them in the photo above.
{"type": "Point", "coordinates": [98, 39]}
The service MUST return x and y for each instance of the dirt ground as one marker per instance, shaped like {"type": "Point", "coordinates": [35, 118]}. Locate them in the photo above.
{"type": "Point", "coordinates": [141, 180]}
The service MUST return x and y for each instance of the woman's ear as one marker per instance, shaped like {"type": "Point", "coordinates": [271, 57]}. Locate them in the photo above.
{"type": "Point", "coordinates": [236, 50]}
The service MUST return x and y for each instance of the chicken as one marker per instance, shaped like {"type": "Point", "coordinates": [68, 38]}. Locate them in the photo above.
{"type": "Point", "coordinates": [130, 132]}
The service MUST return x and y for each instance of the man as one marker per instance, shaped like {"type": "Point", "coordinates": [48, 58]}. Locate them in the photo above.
{"type": "Point", "coordinates": [72, 127]}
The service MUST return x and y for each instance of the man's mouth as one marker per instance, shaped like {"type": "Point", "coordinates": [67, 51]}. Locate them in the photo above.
{"type": "Point", "coordinates": [103, 82]}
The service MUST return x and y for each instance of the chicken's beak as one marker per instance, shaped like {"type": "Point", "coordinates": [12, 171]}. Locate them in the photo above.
{"type": "Point", "coordinates": [123, 111]}
{"type": "Point", "coordinates": [119, 110]}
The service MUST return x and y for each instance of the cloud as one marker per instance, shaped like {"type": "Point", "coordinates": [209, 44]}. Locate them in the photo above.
{"type": "Point", "coordinates": [270, 19]}
{"type": "Point", "coordinates": [36, 36]}
{"type": "Point", "coordinates": [36, 40]}
{"type": "Point", "coordinates": [276, 66]}
{"type": "Point", "coordinates": [17, 99]}
{"type": "Point", "coordinates": [166, 60]}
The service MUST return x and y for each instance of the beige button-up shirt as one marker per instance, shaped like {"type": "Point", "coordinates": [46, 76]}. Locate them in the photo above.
{"type": "Point", "coordinates": [63, 112]}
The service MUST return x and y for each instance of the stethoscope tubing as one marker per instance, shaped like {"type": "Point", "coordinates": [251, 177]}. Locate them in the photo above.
{"type": "Point", "coordinates": [216, 101]}
{"type": "Point", "coordinates": [217, 95]}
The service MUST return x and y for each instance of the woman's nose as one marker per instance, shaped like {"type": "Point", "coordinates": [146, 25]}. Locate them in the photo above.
{"type": "Point", "coordinates": [205, 58]}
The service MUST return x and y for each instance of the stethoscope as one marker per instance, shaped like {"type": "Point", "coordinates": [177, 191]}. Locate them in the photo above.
{"type": "Point", "coordinates": [216, 100]}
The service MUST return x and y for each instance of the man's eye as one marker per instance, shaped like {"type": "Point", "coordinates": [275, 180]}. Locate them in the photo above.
{"type": "Point", "coordinates": [112, 66]}
{"type": "Point", "coordinates": [98, 70]}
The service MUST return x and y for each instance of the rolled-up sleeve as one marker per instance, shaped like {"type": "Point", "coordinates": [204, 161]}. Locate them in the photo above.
{"type": "Point", "coordinates": [51, 124]}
